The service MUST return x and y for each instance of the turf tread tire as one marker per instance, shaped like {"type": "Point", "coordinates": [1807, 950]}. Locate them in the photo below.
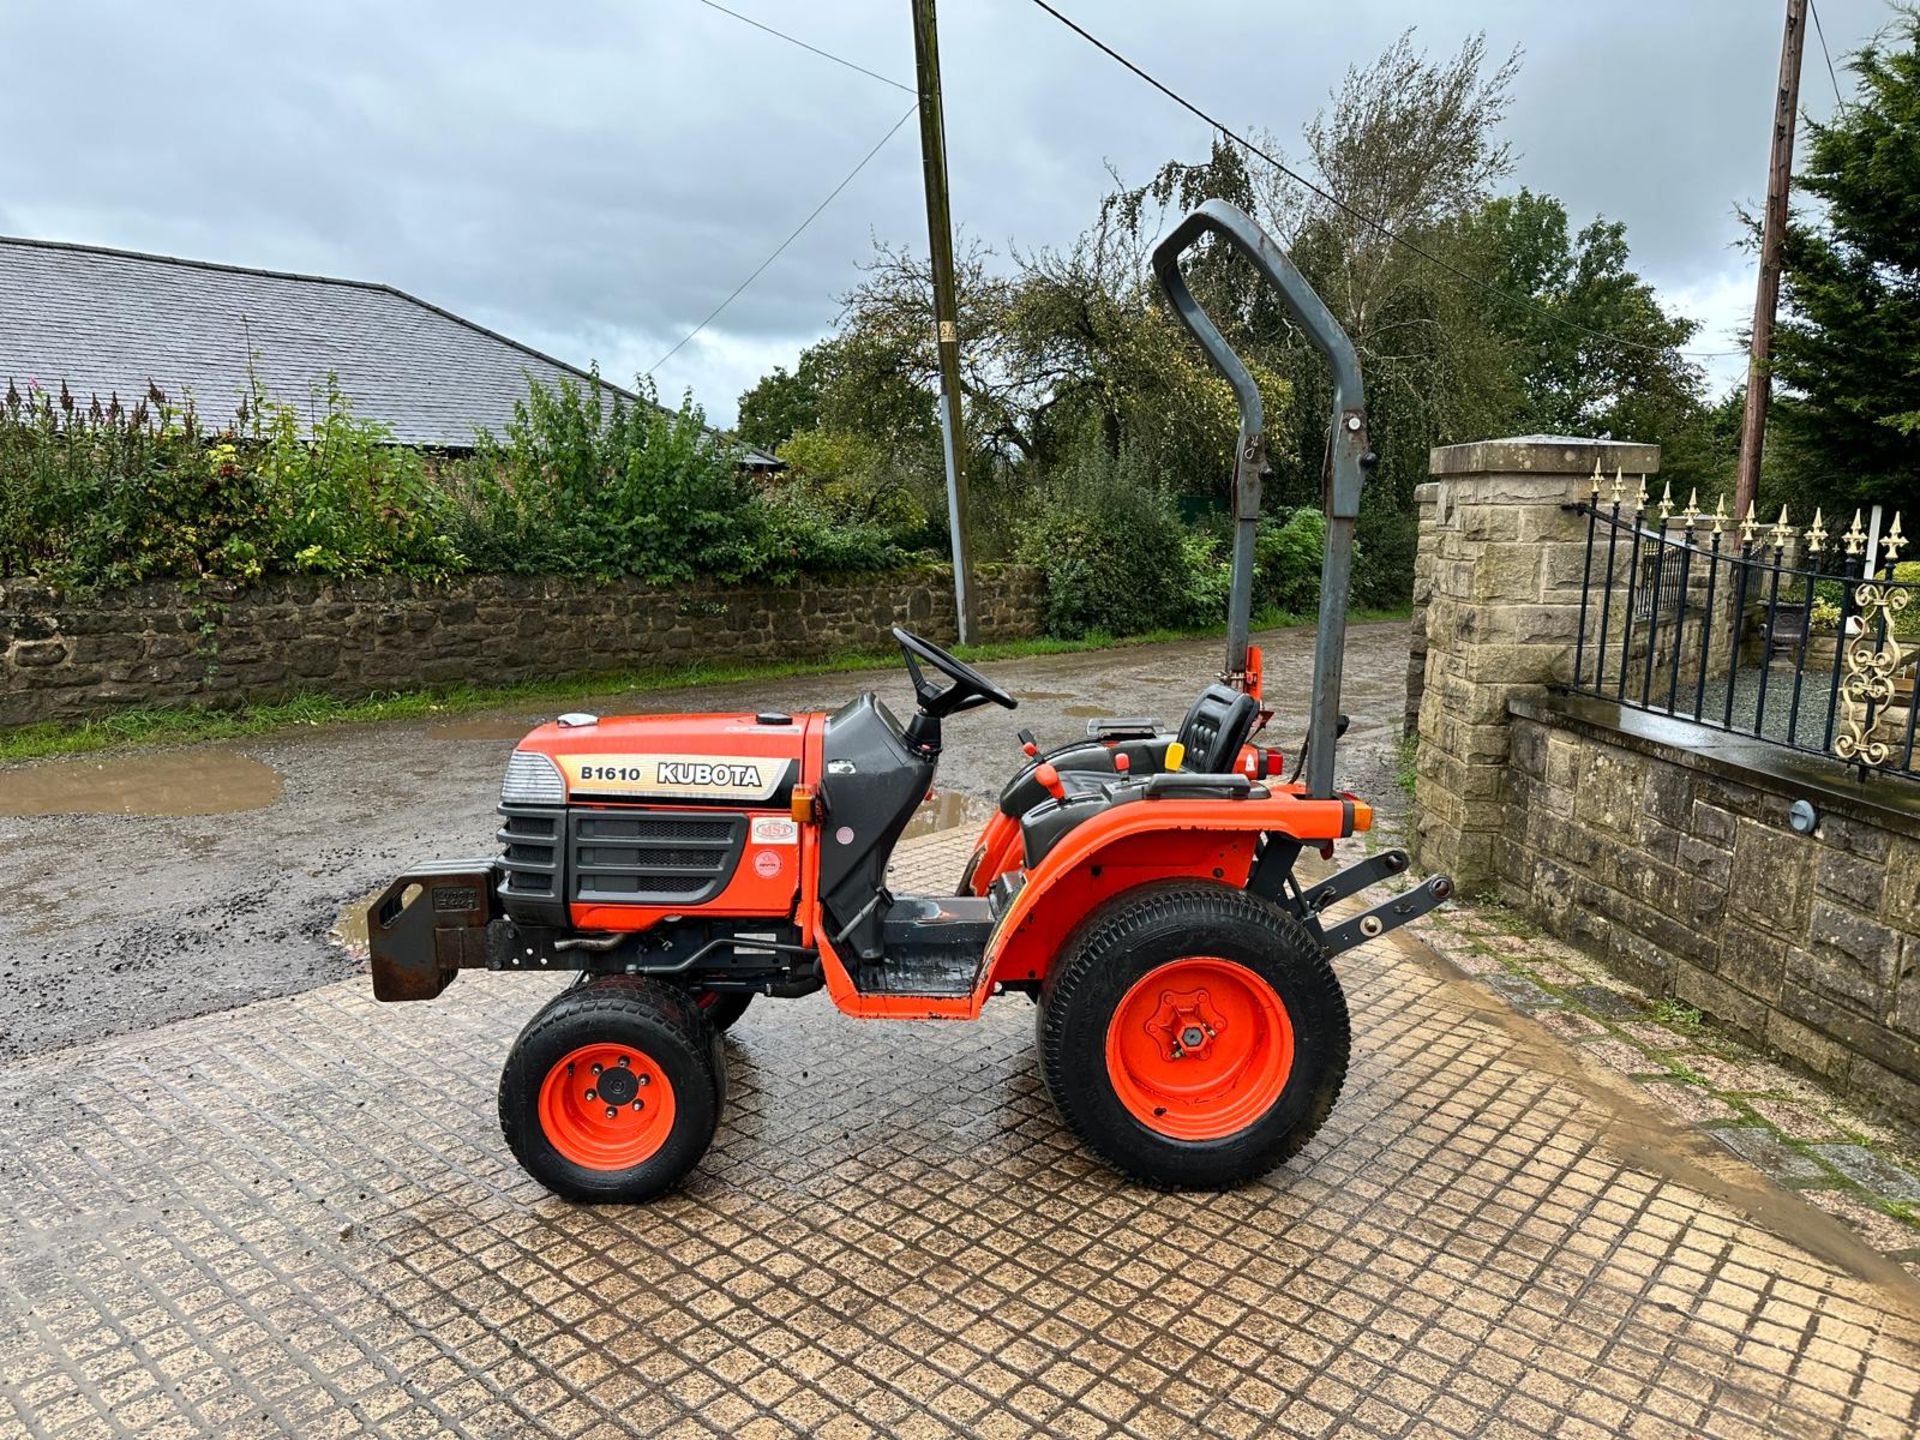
{"type": "Point", "coordinates": [660, 1020]}
{"type": "Point", "coordinates": [1124, 939]}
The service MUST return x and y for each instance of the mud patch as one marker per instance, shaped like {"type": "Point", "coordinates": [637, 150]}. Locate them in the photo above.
{"type": "Point", "coordinates": [349, 929]}
{"type": "Point", "coordinates": [165, 783]}
{"type": "Point", "coordinates": [1043, 694]}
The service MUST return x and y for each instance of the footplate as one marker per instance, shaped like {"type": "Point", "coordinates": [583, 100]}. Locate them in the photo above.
{"type": "Point", "coordinates": [428, 925]}
{"type": "Point", "coordinates": [1389, 914]}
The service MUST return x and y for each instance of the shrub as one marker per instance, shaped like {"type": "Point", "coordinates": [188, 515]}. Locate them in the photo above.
{"type": "Point", "coordinates": [585, 483]}
{"type": "Point", "coordinates": [1111, 547]}
{"type": "Point", "coordinates": [93, 495]}
{"type": "Point", "coordinates": [1287, 552]}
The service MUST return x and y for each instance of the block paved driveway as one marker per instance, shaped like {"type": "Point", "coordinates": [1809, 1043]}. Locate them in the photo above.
{"type": "Point", "coordinates": [299, 1218]}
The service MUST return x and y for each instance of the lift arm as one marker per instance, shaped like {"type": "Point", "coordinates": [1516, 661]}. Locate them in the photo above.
{"type": "Point", "coordinates": [1348, 455]}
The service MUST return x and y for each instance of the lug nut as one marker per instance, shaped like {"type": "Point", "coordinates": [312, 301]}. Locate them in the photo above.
{"type": "Point", "coordinates": [643, 1079]}
{"type": "Point", "coordinates": [639, 1104]}
{"type": "Point", "coordinates": [625, 1062]}
{"type": "Point", "coordinates": [592, 1096]}
{"type": "Point", "coordinates": [611, 1112]}
{"type": "Point", "coordinates": [596, 1068]}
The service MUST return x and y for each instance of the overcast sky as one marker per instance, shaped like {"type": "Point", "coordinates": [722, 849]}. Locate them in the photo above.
{"type": "Point", "coordinates": [593, 178]}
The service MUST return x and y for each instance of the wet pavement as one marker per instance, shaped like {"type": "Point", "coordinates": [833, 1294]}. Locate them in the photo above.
{"type": "Point", "coordinates": [299, 1218]}
{"type": "Point", "coordinates": [177, 882]}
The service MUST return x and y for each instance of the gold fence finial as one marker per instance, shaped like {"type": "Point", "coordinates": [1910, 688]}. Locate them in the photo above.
{"type": "Point", "coordinates": [1782, 530]}
{"type": "Point", "coordinates": [1640, 500]}
{"type": "Point", "coordinates": [1693, 508]}
{"type": "Point", "coordinates": [1720, 514]}
{"type": "Point", "coordinates": [1596, 479]}
{"type": "Point", "coordinates": [1666, 503]}
{"type": "Point", "coordinates": [1855, 538]}
{"type": "Point", "coordinates": [1817, 532]}
{"type": "Point", "coordinates": [1893, 541]}
{"type": "Point", "coordinates": [1751, 523]}
{"type": "Point", "coordinates": [1619, 484]}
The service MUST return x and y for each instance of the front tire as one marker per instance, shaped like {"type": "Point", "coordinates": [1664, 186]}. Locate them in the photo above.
{"type": "Point", "coordinates": [612, 1092]}
{"type": "Point", "coordinates": [1192, 1035]}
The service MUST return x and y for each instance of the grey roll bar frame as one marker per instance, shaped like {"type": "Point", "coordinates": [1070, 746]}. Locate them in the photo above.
{"type": "Point", "coordinates": [1348, 458]}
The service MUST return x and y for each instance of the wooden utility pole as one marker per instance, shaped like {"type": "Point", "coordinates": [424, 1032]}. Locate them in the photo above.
{"type": "Point", "coordinates": [933, 152]}
{"type": "Point", "coordinates": [1773, 229]}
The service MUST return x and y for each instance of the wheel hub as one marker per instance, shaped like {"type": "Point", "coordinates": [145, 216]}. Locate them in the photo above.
{"type": "Point", "coordinates": [1186, 1024]}
{"type": "Point", "coordinates": [618, 1086]}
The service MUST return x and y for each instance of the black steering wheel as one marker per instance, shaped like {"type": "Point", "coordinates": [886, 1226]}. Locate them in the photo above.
{"type": "Point", "coordinates": [969, 689]}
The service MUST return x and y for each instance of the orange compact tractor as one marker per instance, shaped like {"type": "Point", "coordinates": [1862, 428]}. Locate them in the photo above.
{"type": "Point", "coordinates": [1139, 886]}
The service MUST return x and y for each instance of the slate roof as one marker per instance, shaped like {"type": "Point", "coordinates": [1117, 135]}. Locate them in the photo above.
{"type": "Point", "coordinates": [109, 320]}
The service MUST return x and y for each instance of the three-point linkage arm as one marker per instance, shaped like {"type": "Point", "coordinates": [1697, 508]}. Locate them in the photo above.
{"type": "Point", "coordinates": [1349, 457]}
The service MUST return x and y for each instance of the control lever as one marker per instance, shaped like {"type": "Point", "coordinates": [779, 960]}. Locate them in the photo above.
{"type": "Point", "coordinates": [1027, 743]}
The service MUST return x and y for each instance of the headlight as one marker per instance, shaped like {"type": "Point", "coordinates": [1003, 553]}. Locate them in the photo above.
{"type": "Point", "coordinates": [532, 779]}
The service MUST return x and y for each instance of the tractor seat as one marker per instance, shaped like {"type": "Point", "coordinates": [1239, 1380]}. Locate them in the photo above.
{"type": "Point", "coordinates": [1216, 728]}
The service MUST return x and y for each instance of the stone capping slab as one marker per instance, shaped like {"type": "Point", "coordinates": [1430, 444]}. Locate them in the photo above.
{"type": "Point", "coordinates": [1829, 785]}
{"type": "Point", "coordinates": [1544, 455]}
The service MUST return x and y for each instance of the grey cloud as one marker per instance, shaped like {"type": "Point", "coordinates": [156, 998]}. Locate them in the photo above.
{"type": "Point", "coordinates": [596, 177]}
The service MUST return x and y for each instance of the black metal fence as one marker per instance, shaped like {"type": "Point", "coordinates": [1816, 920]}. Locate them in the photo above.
{"type": "Point", "coordinates": [1799, 637]}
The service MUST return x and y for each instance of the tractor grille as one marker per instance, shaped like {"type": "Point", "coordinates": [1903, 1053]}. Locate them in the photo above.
{"type": "Point", "coordinates": [643, 858]}
{"type": "Point", "coordinates": [530, 861]}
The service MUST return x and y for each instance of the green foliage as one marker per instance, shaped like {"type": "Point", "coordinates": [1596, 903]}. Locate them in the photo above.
{"type": "Point", "coordinates": [780, 406]}
{"type": "Point", "coordinates": [1112, 548]}
{"type": "Point", "coordinates": [341, 497]}
{"type": "Point", "coordinates": [1287, 555]}
{"type": "Point", "coordinates": [584, 482]}
{"type": "Point", "coordinates": [1849, 420]}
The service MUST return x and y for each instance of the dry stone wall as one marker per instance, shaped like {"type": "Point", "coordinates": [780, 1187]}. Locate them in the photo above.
{"type": "Point", "coordinates": [68, 657]}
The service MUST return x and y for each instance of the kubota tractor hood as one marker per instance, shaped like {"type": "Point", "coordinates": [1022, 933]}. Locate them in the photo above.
{"type": "Point", "coordinates": [740, 759]}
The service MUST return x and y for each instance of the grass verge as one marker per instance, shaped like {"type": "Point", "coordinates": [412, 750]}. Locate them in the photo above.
{"type": "Point", "coordinates": [184, 725]}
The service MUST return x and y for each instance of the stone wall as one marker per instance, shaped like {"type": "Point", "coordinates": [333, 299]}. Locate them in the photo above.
{"type": "Point", "coordinates": [1674, 860]}
{"type": "Point", "coordinates": [1499, 570]}
{"type": "Point", "coordinates": [67, 657]}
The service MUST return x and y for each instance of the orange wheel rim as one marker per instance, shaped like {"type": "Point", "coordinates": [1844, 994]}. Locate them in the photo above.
{"type": "Point", "coordinates": [607, 1107]}
{"type": "Point", "coordinates": [1199, 1048]}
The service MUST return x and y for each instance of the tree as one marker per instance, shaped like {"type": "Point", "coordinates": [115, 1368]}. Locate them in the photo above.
{"type": "Point", "coordinates": [1847, 351]}
{"type": "Point", "coordinates": [780, 406]}
{"type": "Point", "coordinates": [1595, 352]}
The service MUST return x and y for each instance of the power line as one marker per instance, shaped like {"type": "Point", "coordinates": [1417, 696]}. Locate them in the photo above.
{"type": "Point", "coordinates": [1820, 31]}
{"type": "Point", "coordinates": [832, 195]}
{"type": "Point", "coordinates": [1380, 227]}
{"type": "Point", "coordinates": [823, 54]}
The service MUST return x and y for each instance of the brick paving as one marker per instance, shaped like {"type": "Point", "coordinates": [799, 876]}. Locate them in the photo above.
{"type": "Point", "coordinates": [299, 1218]}
{"type": "Point", "coordinates": [1802, 1136]}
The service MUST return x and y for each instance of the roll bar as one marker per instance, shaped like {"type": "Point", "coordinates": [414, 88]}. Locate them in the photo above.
{"type": "Point", "coordinates": [1348, 456]}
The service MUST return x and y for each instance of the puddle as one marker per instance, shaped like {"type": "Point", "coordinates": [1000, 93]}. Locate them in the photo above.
{"type": "Point", "coordinates": [485, 727]}
{"type": "Point", "coordinates": [947, 810]}
{"type": "Point", "coordinates": [349, 929]}
{"type": "Point", "coordinates": [166, 782]}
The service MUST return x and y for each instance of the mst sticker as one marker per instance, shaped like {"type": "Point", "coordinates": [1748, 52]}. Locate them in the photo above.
{"type": "Point", "coordinates": [775, 830]}
{"type": "Point", "coordinates": [697, 777]}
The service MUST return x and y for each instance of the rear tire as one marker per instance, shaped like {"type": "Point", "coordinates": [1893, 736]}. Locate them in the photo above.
{"type": "Point", "coordinates": [1192, 1035]}
{"type": "Point", "coordinates": [612, 1092]}
{"type": "Point", "coordinates": [722, 1007]}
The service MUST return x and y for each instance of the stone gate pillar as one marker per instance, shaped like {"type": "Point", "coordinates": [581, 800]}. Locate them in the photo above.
{"type": "Point", "coordinates": [1500, 561]}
